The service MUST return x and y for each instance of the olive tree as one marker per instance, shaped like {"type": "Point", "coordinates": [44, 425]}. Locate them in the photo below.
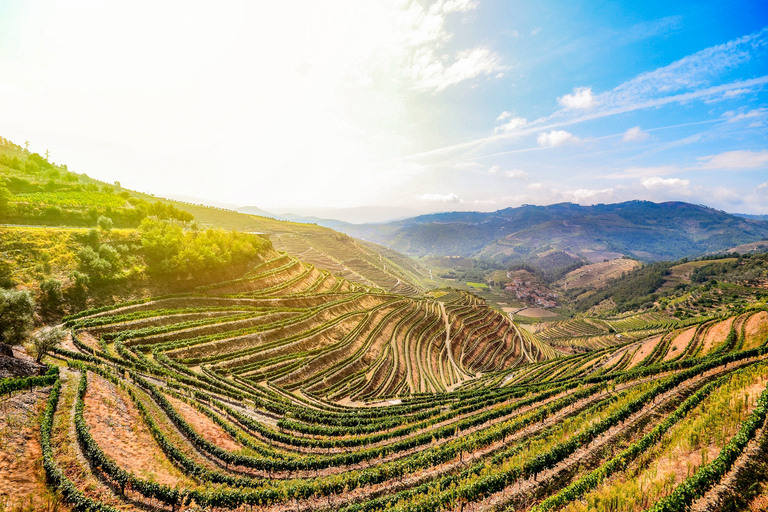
{"type": "Point", "coordinates": [16, 314]}
{"type": "Point", "coordinates": [46, 340]}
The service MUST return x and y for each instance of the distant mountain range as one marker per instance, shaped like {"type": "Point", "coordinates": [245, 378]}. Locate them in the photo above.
{"type": "Point", "coordinates": [641, 229]}
{"type": "Point", "coordinates": [330, 217]}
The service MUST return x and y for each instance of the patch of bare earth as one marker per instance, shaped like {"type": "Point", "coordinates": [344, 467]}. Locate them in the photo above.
{"type": "Point", "coordinates": [716, 335]}
{"type": "Point", "coordinates": [66, 450]}
{"type": "Point", "coordinates": [22, 479]}
{"type": "Point", "coordinates": [117, 428]}
{"type": "Point", "coordinates": [204, 426]}
{"type": "Point", "coordinates": [68, 344]}
{"type": "Point", "coordinates": [756, 330]}
{"type": "Point", "coordinates": [677, 345]}
{"type": "Point", "coordinates": [645, 350]}
{"type": "Point", "coordinates": [89, 340]}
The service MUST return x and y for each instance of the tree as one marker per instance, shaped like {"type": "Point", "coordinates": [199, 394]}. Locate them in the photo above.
{"type": "Point", "coordinates": [51, 291]}
{"type": "Point", "coordinates": [47, 339]}
{"type": "Point", "coordinates": [105, 223]}
{"type": "Point", "coordinates": [16, 311]}
{"type": "Point", "coordinates": [5, 198]}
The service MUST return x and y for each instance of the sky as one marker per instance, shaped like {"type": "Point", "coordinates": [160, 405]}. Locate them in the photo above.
{"type": "Point", "coordinates": [342, 105]}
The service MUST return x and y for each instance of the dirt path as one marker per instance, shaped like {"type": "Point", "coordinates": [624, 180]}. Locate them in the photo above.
{"type": "Point", "coordinates": [459, 373]}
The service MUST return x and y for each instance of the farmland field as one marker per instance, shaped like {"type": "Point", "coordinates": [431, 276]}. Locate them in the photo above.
{"type": "Point", "coordinates": [291, 388]}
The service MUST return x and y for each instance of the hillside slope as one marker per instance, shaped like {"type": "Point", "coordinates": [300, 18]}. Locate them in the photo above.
{"type": "Point", "coordinates": [35, 192]}
{"type": "Point", "coordinates": [641, 229]}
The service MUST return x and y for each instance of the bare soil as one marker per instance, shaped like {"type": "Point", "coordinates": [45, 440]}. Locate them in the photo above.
{"type": "Point", "coordinates": [756, 330]}
{"type": "Point", "coordinates": [645, 349]}
{"type": "Point", "coordinates": [117, 428]}
{"type": "Point", "coordinates": [716, 335]}
{"type": "Point", "coordinates": [535, 313]}
{"type": "Point", "coordinates": [677, 346]}
{"type": "Point", "coordinates": [22, 479]}
{"type": "Point", "coordinates": [205, 426]}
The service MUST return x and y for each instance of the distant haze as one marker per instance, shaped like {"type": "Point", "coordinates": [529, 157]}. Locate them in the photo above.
{"type": "Point", "coordinates": [321, 108]}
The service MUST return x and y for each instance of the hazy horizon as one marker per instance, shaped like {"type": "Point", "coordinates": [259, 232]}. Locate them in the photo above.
{"type": "Point", "coordinates": [397, 108]}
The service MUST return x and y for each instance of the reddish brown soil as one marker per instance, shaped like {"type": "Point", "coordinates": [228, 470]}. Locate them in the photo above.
{"type": "Point", "coordinates": [677, 346]}
{"type": "Point", "coordinates": [645, 349]}
{"type": "Point", "coordinates": [756, 330]}
{"type": "Point", "coordinates": [716, 335]}
{"type": "Point", "coordinates": [205, 426]}
{"type": "Point", "coordinates": [117, 427]}
{"type": "Point", "coordinates": [22, 479]}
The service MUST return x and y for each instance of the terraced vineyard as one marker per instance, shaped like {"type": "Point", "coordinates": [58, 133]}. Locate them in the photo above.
{"type": "Point", "coordinates": [366, 264]}
{"type": "Point", "coordinates": [294, 389]}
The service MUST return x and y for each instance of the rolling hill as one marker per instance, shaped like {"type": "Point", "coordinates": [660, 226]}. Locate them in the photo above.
{"type": "Point", "coordinates": [35, 194]}
{"type": "Point", "coordinates": [277, 366]}
{"type": "Point", "coordinates": [640, 229]}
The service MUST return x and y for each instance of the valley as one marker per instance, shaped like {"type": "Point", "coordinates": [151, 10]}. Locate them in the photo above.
{"type": "Point", "coordinates": [215, 360]}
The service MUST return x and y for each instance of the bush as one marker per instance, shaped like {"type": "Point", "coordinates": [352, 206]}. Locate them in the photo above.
{"type": "Point", "coordinates": [16, 311]}
{"type": "Point", "coordinates": [46, 340]}
{"type": "Point", "coordinates": [51, 291]}
{"type": "Point", "coordinates": [104, 223]}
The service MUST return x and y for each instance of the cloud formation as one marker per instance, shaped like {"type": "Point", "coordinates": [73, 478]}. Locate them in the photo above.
{"type": "Point", "coordinates": [736, 160]}
{"type": "Point", "coordinates": [514, 124]}
{"type": "Point", "coordinates": [752, 114]}
{"type": "Point", "coordinates": [556, 138]}
{"type": "Point", "coordinates": [441, 198]}
{"type": "Point", "coordinates": [634, 135]}
{"type": "Point", "coordinates": [581, 98]}
{"type": "Point", "coordinates": [656, 182]}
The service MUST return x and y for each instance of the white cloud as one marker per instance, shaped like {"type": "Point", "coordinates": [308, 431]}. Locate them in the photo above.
{"type": "Point", "coordinates": [694, 77]}
{"type": "Point", "coordinates": [656, 182]}
{"type": "Point", "coordinates": [581, 98]}
{"type": "Point", "coordinates": [634, 135]}
{"type": "Point", "coordinates": [585, 194]}
{"type": "Point", "coordinates": [762, 186]}
{"type": "Point", "coordinates": [428, 71]}
{"type": "Point", "coordinates": [752, 114]}
{"type": "Point", "coordinates": [504, 115]}
{"type": "Point", "coordinates": [735, 160]}
{"type": "Point", "coordinates": [736, 92]}
{"type": "Point", "coordinates": [513, 173]}
{"type": "Point", "coordinates": [514, 124]}
{"type": "Point", "coordinates": [556, 138]}
{"type": "Point", "coordinates": [448, 6]}
{"type": "Point", "coordinates": [441, 198]}
{"type": "Point", "coordinates": [636, 172]}
{"type": "Point", "coordinates": [535, 31]}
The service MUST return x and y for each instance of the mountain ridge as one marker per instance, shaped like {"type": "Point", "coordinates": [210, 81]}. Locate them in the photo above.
{"type": "Point", "coordinates": [642, 229]}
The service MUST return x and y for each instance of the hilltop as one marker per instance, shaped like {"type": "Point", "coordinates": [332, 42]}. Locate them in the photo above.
{"type": "Point", "coordinates": [640, 229]}
{"type": "Point", "coordinates": [79, 234]}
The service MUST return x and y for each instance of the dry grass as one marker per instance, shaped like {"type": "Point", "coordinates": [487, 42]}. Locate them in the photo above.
{"type": "Point", "coordinates": [205, 426]}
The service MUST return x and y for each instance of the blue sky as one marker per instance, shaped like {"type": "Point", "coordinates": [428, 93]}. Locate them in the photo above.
{"type": "Point", "coordinates": [415, 106]}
